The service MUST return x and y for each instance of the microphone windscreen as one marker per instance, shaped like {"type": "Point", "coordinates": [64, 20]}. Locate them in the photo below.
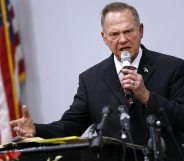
{"type": "Point", "coordinates": [125, 58]}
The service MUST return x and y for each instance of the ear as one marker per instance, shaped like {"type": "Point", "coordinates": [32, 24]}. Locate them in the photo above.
{"type": "Point", "coordinates": [104, 37]}
{"type": "Point", "coordinates": [141, 30]}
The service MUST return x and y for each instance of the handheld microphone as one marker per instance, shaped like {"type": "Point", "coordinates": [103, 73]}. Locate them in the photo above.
{"type": "Point", "coordinates": [126, 60]}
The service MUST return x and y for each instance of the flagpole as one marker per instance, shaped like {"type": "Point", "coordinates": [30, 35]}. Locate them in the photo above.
{"type": "Point", "coordinates": [10, 59]}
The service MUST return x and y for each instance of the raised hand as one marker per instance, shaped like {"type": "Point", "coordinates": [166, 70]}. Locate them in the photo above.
{"type": "Point", "coordinates": [24, 126]}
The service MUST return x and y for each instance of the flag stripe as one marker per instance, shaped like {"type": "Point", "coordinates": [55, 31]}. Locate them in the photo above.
{"type": "Point", "coordinates": [10, 59]}
{"type": "Point", "coordinates": [5, 130]}
{"type": "Point", "coordinates": [12, 70]}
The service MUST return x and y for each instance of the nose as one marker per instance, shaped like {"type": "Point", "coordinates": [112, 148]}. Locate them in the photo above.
{"type": "Point", "coordinates": [122, 37]}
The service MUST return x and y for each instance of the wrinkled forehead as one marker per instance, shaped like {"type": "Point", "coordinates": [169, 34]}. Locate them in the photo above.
{"type": "Point", "coordinates": [119, 19]}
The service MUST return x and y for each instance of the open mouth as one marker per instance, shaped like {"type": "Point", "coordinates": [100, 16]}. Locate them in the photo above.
{"type": "Point", "coordinates": [125, 49]}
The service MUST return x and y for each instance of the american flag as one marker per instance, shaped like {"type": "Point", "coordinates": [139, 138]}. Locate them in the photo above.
{"type": "Point", "coordinates": [12, 70]}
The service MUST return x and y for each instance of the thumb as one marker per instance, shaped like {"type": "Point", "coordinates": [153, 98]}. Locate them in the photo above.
{"type": "Point", "coordinates": [25, 111]}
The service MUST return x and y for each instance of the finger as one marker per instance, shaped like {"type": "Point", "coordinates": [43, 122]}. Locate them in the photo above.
{"type": "Point", "coordinates": [19, 131]}
{"type": "Point", "coordinates": [133, 83]}
{"type": "Point", "coordinates": [16, 129]}
{"type": "Point", "coordinates": [130, 76]}
{"type": "Point", "coordinates": [129, 84]}
{"type": "Point", "coordinates": [25, 111]}
{"type": "Point", "coordinates": [29, 135]}
{"type": "Point", "coordinates": [126, 81]}
{"type": "Point", "coordinates": [14, 123]}
{"type": "Point", "coordinates": [22, 133]}
{"type": "Point", "coordinates": [128, 71]}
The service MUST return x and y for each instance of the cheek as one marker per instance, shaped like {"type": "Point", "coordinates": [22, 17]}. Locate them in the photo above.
{"type": "Point", "coordinates": [113, 46]}
{"type": "Point", "coordinates": [135, 46]}
{"type": "Point", "coordinates": [109, 43]}
{"type": "Point", "coordinates": [134, 40]}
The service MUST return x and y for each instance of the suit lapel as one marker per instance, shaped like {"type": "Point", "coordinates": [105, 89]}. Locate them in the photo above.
{"type": "Point", "coordinates": [111, 79]}
{"type": "Point", "coordinates": [146, 66]}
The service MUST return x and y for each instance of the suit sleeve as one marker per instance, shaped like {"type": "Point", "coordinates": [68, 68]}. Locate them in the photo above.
{"type": "Point", "coordinates": [73, 122]}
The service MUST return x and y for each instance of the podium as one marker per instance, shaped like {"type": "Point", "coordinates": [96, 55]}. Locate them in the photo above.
{"type": "Point", "coordinates": [80, 150]}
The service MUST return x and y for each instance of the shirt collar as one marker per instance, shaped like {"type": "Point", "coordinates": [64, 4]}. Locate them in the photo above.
{"type": "Point", "coordinates": [135, 63]}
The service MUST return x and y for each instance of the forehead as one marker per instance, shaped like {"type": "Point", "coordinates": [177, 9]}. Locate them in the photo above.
{"type": "Point", "coordinates": [118, 19]}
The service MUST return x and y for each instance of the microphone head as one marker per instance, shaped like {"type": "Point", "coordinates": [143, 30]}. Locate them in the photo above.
{"type": "Point", "coordinates": [125, 58]}
{"type": "Point", "coordinates": [122, 109]}
{"type": "Point", "coordinates": [151, 120]}
{"type": "Point", "coordinates": [106, 110]}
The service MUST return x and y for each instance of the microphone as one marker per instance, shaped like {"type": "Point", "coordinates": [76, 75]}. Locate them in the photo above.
{"type": "Point", "coordinates": [126, 60]}
{"type": "Point", "coordinates": [170, 131]}
{"type": "Point", "coordinates": [96, 142]}
{"type": "Point", "coordinates": [156, 142]}
{"type": "Point", "coordinates": [124, 120]}
{"type": "Point", "coordinates": [106, 111]}
{"type": "Point", "coordinates": [125, 124]}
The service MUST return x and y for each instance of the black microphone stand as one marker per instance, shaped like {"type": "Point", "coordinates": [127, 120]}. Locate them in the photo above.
{"type": "Point", "coordinates": [125, 125]}
{"type": "Point", "coordinates": [96, 141]}
{"type": "Point", "coordinates": [124, 121]}
{"type": "Point", "coordinates": [147, 153]}
{"type": "Point", "coordinates": [154, 130]}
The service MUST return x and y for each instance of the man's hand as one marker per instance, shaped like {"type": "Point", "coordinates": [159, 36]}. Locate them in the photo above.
{"type": "Point", "coordinates": [134, 82]}
{"type": "Point", "coordinates": [24, 126]}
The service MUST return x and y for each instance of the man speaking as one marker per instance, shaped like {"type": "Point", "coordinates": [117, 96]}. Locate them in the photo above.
{"type": "Point", "coordinates": [156, 83]}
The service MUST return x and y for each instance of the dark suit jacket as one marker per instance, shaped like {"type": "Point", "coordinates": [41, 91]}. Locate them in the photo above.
{"type": "Point", "coordinates": [100, 86]}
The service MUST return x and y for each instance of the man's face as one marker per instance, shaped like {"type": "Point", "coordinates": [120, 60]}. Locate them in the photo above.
{"type": "Point", "coordinates": [122, 33]}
